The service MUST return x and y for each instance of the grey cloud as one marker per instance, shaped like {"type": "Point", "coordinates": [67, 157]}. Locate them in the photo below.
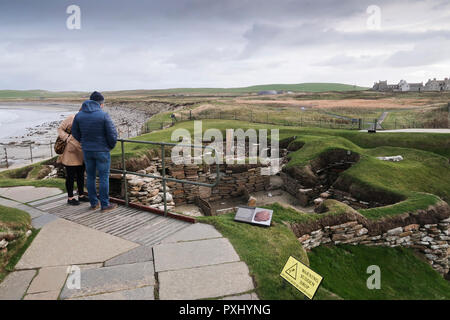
{"type": "Point", "coordinates": [154, 44]}
{"type": "Point", "coordinates": [423, 54]}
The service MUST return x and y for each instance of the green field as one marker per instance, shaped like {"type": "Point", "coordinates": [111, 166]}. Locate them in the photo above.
{"type": "Point", "coordinates": [17, 222]}
{"type": "Point", "coordinates": [266, 250]}
{"type": "Point", "coordinates": [422, 179]}
{"type": "Point", "coordinates": [38, 94]}
{"type": "Point", "coordinates": [424, 170]}
{"type": "Point", "coordinates": [404, 276]}
{"type": "Point", "coordinates": [301, 87]}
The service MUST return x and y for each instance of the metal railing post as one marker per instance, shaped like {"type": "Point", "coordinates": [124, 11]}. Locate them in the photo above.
{"type": "Point", "coordinates": [6, 158]}
{"type": "Point", "coordinates": [31, 154]}
{"type": "Point", "coordinates": [162, 177]}
{"type": "Point", "coordinates": [51, 149]}
{"type": "Point", "coordinates": [124, 173]}
{"type": "Point", "coordinates": [163, 174]}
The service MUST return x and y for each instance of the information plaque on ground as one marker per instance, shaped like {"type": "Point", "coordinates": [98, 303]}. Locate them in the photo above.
{"type": "Point", "coordinates": [257, 216]}
{"type": "Point", "coordinates": [301, 277]}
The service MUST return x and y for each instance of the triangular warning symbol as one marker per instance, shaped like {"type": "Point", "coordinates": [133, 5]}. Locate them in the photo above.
{"type": "Point", "coordinates": [292, 271]}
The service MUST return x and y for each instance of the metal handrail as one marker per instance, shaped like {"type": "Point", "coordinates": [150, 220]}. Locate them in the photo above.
{"type": "Point", "coordinates": [163, 177]}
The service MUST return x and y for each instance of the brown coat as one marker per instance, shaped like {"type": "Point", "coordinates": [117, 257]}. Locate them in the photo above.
{"type": "Point", "coordinates": [73, 155]}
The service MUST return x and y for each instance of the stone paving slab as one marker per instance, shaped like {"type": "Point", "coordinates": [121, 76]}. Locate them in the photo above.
{"type": "Point", "coordinates": [139, 254]}
{"type": "Point", "coordinates": [41, 221]}
{"type": "Point", "coordinates": [205, 282]}
{"type": "Point", "coordinates": [198, 231]}
{"type": "Point", "coordinates": [33, 212]}
{"type": "Point", "coordinates": [49, 295]}
{"type": "Point", "coordinates": [28, 193]}
{"type": "Point", "coordinates": [144, 293]}
{"type": "Point", "coordinates": [48, 279]}
{"type": "Point", "coordinates": [247, 296]}
{"type": "Point", "coordinates": [111, 279]}
{"type": "Point", "coordinates": [54, 198]}
{"type": "Point", "coordinates": [63, 243]}
{"type": "Point", "coordinates": [15, 284]}
{"type": "Point", "coordinates": [90, 266]}
{"type": "Point", "coordinates": [9, 203]}
{"type": "Point", "coordinates": [182, 255]}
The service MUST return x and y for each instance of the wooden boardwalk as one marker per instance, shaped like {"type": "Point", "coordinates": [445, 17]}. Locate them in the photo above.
{"type": "Point", "coordinates": [132, 224]}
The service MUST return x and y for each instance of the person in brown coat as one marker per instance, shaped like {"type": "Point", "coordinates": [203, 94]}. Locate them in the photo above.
{"type": "Point", "coordinates": [72, 159]}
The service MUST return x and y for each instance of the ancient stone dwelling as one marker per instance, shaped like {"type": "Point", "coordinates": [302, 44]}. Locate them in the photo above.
{"type": "Point", "coordinates": [235, 180]}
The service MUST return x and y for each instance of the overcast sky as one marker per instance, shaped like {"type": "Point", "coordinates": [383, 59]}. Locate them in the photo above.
{"type": "Point", "coordinates": [220, 43]}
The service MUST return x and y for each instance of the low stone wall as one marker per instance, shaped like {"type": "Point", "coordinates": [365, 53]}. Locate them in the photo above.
{"type": "Point", "coordinates": [433, 240]}
{"type": "Point", "coordinates": [235, 180]}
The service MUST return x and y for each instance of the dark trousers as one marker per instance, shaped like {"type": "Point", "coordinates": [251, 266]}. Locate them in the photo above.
{"type": "Point", "coordinates": [72, 173]}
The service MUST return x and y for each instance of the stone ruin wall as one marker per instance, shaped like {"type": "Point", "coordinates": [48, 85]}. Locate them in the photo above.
{"type": "Point", "coordinates": [433, 240]}
{"type": "Point", "coordinates": [235, 181]}
{"type": "Point", "coordinates": [317, 194]}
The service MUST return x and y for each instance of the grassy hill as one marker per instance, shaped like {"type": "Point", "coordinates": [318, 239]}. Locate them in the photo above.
{"type": "Point", "coordinates": [265, 250]}
{"type": "Point", "coordinates": [423, 174]}
{"type": "Point", "coordinates": [38, 94]}
{"type": "Point", "coordinates": [301, 87]}
{"type": "Point", "coordinates": [14, 222]}
{"type": "Point", "coordinates": [403, 274]}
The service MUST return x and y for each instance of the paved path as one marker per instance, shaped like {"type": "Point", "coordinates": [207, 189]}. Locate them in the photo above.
{"type": "Point", "coordinates": [414, 130]}
{"type": "Point", "coordinates": [419, 130]}
{"type": "Point", "coordinates": [128, 223]}
{"type": "Point", "coordinates": [28, 193]}
{"type": "Point", "coordinates": [123, 254]}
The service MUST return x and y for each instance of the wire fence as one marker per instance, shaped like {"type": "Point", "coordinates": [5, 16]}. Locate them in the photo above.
{"type": "Point", "coordinates": [441, 120]}
{"type": "Point", "coordinates": [25, 153]}
{"type": "Point", "coordinates": [156, 125]}
{"type": "Point", "coordinates": [273, 119]}
{"type": "Point", "coordinates": [12, 154]}
{"type": "Point", "coordinates": [32, 152]}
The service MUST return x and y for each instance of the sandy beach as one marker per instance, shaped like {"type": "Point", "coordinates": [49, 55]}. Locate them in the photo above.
{"type": "Point", "coordinates": [28, 130]}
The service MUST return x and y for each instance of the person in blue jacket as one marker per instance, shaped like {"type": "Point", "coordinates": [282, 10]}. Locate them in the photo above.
{"type": "Point", "coordinates": [96, 132]}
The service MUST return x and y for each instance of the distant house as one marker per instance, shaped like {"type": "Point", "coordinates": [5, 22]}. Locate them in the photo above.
{"type": "Point", "coordinates": [404, 86]}
{"type": "Point", "coordinates": [437, 85]}
{"type": "Point", "coordinates": [416, 87]}
{"type": "Point", "coordinates": [267, 92]}
{"type": "Point", "coordinates": [384, 86]}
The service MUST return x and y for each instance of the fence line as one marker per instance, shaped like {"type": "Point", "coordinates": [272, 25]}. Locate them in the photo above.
{"type": "Point", "coordinates": [267, 118]}
{"type": "Point", "coordinates": [27, 152]}
{"type": "Point", "coordinates": [339, 122]}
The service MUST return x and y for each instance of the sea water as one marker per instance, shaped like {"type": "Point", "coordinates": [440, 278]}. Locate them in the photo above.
{"type": "Point", "coordinates": [15, 121]}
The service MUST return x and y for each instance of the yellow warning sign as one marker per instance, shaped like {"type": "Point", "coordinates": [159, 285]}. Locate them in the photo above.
{"type": "Point", "coordinates": [301, 277]}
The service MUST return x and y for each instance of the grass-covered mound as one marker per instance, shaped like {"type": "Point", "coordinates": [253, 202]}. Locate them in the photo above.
{"type": "Point", "coordinates": [406, 181]}
{"type": "Point", "coordinates": [403, 274]}
{"type": "Point", "coordinates": [29, 176]}
{"type": "Point", "coordinates": [265, 251]}
{"type": "Point", "coordinates": [417, 181]}
{"type": "Point", "coordinates": [14, 224]}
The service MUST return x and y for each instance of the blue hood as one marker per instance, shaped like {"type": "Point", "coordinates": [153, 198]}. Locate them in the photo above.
{"type": "Point", "coordinates": [90, 106]}
{"type": "Point", "coordinates": [94, 128]}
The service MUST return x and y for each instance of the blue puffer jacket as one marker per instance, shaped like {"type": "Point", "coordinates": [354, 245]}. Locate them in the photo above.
{"type": "Point", "coordinates": [93, 128]}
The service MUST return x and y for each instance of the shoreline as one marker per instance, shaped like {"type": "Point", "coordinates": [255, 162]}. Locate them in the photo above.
{"type": "Point", "coordinates": [37, 141]}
